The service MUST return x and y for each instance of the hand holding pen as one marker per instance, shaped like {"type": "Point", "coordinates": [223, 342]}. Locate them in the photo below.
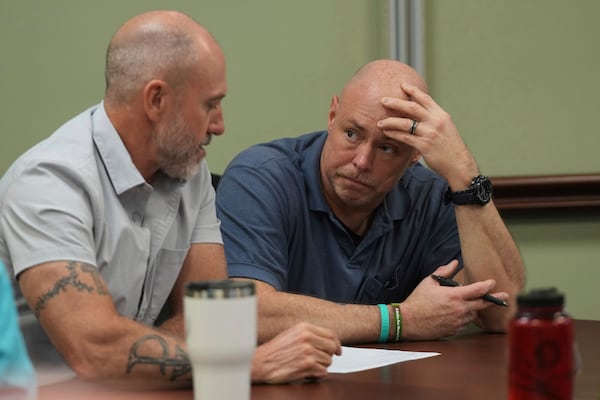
{"type": "Point", "coordinates": [443, 281]}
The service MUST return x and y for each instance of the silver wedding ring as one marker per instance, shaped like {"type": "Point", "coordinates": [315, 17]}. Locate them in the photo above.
{"type": "Point", "coordinates": [413, 127]}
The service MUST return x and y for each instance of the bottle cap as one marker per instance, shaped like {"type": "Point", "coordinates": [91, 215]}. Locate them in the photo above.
{"type": "Point", "coordinates": [543, 297]}
{"type": "Point", "coordinates": [219, 289]}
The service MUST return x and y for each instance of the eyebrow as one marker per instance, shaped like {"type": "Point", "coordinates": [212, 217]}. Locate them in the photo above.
{"type": "Point", "coordinates": [218, 97]}
{"type": "Point", "coordinates": [356, 124]}
{"type": "Point", "coordinates": [381, 138]}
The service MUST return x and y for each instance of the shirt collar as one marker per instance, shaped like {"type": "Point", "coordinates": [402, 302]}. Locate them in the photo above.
{"type": "Point", "coordinates": [311, 167]}
{"type": "Point", "coordinates": [120, 168]}
{"type": "Point", "coordinates": [398, 201]}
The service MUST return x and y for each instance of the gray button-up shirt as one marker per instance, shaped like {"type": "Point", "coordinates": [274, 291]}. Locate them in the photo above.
{"type": "Point", "coordinates": [78, 196]}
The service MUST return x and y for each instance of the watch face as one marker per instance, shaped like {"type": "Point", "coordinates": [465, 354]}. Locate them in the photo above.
{"type": "Point", "coordinates": [483, 189]}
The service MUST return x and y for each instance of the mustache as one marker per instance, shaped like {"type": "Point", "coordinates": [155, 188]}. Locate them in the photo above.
{"type": "Point", "coordinates": [365, 180]}
{"type": "Point", "coordinates": [206, 140]}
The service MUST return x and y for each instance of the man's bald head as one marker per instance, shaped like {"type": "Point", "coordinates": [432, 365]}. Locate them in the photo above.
{"type": "Point", "coordinates": [155, 45]}
{"type": "Point", "coordinates": [381, 78]}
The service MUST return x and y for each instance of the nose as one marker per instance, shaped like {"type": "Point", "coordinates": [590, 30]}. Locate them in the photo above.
{"type": "Point", "coordinates": [363, 157]}
{"type": "Point", "coordinates": [216, 125]}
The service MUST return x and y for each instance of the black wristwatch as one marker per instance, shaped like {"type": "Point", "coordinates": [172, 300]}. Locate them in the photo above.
{"type": "Point", "coordinates": [479, 192]}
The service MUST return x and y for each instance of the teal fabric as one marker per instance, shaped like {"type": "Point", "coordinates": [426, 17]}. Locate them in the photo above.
{"type": "Point", "coordinates": [17, 378]}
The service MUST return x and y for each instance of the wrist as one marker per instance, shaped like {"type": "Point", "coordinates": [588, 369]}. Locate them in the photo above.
{"type": "Point", "coordinates": [462, 181]}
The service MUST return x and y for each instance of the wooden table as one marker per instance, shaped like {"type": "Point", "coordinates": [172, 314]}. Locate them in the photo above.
{"type": "Point", "coordinates": [472, 366]}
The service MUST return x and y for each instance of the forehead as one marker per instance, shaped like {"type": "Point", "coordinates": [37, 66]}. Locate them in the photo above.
{"type": "Point", "coordinates": [378, 79]}
{"type": "Point", "coordinates": [362, 103]}
{"type": "Point", "coordinates": [209, 77]}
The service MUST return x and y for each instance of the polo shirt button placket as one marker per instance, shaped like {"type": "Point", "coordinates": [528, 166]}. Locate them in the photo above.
{"type": "Point", "coordinates": [136, 217]}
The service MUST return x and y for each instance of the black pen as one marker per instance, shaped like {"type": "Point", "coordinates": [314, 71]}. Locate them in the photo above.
{"type": "Point", "coordinates": [487, 297]}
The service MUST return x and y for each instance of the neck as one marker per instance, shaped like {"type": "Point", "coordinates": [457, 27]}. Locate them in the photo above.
{"type": "Point", "coordinates": [358, 223]}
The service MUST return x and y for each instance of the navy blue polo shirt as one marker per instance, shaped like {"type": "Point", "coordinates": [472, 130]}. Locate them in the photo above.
{"type": "Point", "coordinates": [277, 228]}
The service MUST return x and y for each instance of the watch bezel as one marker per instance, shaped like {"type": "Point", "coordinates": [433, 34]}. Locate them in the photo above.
{"type": "Point", "coordinates": [483, 189]}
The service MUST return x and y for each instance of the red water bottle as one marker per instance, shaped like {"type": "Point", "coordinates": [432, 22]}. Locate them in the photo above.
{"type": "Point", "coordinates": [542, 363]}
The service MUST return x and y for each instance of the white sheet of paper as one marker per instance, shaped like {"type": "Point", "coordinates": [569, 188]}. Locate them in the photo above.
{"type": "Point", "coordinates": [355, 359]}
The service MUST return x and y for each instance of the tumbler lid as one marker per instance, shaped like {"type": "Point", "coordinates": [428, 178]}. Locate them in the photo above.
{"type": "Point", "coordinates": [219, 289]}
{"type": "Point", "coordinates": [541, 297]}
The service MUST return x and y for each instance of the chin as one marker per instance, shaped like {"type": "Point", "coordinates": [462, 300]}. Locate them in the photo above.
{"type": "Point", "coordinates": [183, 172]}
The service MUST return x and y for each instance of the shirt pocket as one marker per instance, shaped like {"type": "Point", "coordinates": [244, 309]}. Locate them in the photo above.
{"type": "Point", "coordinates": [391, 285]}
{"type": "Point", "coordinates": [168, 266]}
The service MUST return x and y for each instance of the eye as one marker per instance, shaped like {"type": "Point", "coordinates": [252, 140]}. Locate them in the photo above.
{"type": "Point", "coordinates": [351, 135]}
{"type": "Point", "coordinates": [386, 148]}
{"type": "Point", "coordinates": [212, 105]}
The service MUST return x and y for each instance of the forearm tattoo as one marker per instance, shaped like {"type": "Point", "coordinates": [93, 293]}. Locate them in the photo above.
{"type": "Point", "coordinates": [174, 367]}
{"type": "Point", "coordinates": [75, 272]}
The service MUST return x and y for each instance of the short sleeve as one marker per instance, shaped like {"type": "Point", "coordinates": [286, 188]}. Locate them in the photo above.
{"type": "Point", "coordinates": [253, 207]}
{"type": "Point", "coordinates": [47, 216]}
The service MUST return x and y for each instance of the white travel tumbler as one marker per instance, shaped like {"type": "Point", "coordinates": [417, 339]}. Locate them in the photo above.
{"type": "Point", "coordinates": [220, 321]}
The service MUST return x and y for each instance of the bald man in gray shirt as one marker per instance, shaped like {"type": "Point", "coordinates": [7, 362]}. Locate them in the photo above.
{"type": "Point", "coordinates": [103, 223]}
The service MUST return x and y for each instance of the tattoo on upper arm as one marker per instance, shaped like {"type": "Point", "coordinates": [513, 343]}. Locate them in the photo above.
{"type": "Point", "coordinates": [75, 269]}
{"type": "Point", "coordinates": [178, 366]}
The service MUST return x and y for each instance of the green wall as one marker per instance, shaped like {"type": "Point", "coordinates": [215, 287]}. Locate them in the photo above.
{"type": "Point", "coordinates": [518, 77]}
{"type": "Point", "coordinates": [285, 61]}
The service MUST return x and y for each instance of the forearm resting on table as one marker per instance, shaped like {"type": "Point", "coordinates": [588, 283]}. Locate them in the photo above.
{"type": "Point", "coordinates": [133, 356]}
{"type": "Point", "coordinates": [489, 252]}
{"type": "Point", "coordinates": [277, 311]}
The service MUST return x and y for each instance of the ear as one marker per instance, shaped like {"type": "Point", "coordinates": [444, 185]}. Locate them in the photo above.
{"type": "Point", "coordinates": [416, 157]}
{"type": "Point", "coordinates": [335, 101]}
{"type": "Point", "coordinates": [155, 99]}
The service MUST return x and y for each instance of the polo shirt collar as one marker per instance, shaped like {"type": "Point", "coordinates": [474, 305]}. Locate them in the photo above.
{"type": "Point", "coordinates": [397, 202]}
{"type": "Point", "coordinates": [311, 168]}
{"type": "Point", "coordinates": [120, 168]}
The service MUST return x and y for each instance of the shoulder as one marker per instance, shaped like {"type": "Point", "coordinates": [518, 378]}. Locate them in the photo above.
{"type": "Point", "coordinates": [70, 147]}
{"type": "Point", "coordinates": [290, 150]}
{"type": "Point", "coordinates": [278, 157]}
{"type": "Point", "coordinates": [276, 173]}
{"type": "Point", "coordinates": [63, 163]}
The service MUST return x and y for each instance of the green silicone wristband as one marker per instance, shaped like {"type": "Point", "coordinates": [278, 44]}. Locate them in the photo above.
{"type": "Point", "coordinates": [385, 323]}
{"type": "Point", "coordinates": [398, 320]}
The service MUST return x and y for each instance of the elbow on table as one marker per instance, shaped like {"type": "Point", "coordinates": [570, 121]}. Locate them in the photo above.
{"type": "Point", "coordinates": [495, 323]}
{"type": "Point", "coordinates": [496, 328]}
{"type": "Point", "coordinates": [86, 370]}
{"type": "Point", "coordinates": [90, 364]}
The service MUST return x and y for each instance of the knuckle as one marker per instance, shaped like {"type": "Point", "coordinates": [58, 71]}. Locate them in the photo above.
{"type": "Point", "coordinates": [303, 325]}
{"type": "Point", "coordinates": [413, 107]}
{"type": "Point", "coordinates": [307, 349]}
{"type": "Point", "coordinates": [302, 334]}
{"type": "Point", "coordinates": [319, 371]}
{"type": "Point", "coordinates": [307, 363]}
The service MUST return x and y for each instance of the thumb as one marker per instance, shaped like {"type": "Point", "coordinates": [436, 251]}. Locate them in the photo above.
{"type": "Point", "coordinates": [448, 269]}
